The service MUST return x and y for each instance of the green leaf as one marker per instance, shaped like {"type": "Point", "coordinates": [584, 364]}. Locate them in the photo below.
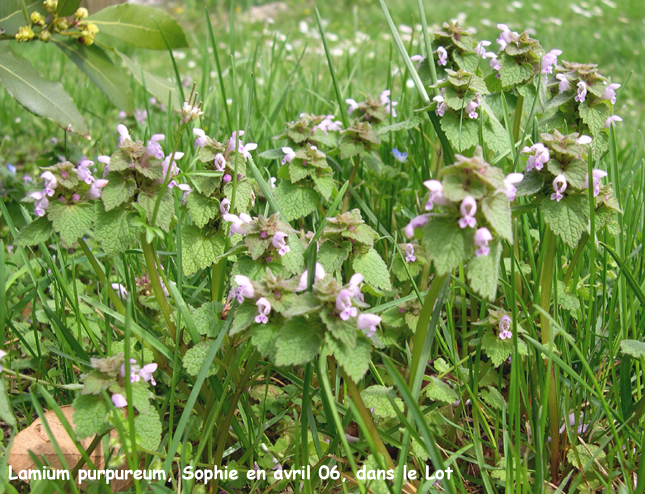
{"type": "Point", "coordinates": [6, 408]}
{"type": "Point", "coordinates": [456, 187]}
{"type": "Point", "coordinates": [303, 304]}
{"type": "Point", "coordinates": [497, 211]}
{"type": "Point", "coordinates": [67, 7]}
{"type": "Point", "coordinates": [494, 398]}
{"type": "Point", "coordinates": [294, 261]}
{"type": "Point", "coordinates": [115, 231]}
{"type": "Point", "coordinates": [512, 73]}
{"type": "Point", "coordinates": [161, 88]}
{"type": "Point", "coordinates": [135, 24]}
{"type": "Point", "coordinates": [72, 221]}
{"type": "Point", "coordinates": [199, 250]}
{"type": "Point", "coordinates": [148, 429]}
{"type": "Point", "coordinates": [243, 195]}
{"type": "Point", "coordinates": [207, 319]}
{"type": "Point", "coordinates": [373, 269]}
{"type": "Point", "coordinates": [95, 382]}
{"type": "Point", "coordinates": [575, 172]}
{"type": "Point", "coordinates": [99, 67]}
{"type": "Point", "coordinates": [35, 232]}
{"type": "Point", "coordinates": [532, 183]}
{"type": "Point", "coordinates": [483, 272]}
{"type": "Point", "coordinates": [462, 134]}
{"type": "Point", "coordinates": [297, 171]}
{"type": "Point", "coordinates": [376, 397]}
{"type": "Point", "coordinates": [586, 454]}
{"type": "Point", "coordinates": [495, 136]}
{"type": "Point", "coordinates": [634, 348]}
{"type": "Point", "coordinates": [296, 201]}
{"type": "Point", "coordinates": [201, 209]}
{"type": "Point", "coordinates": [40, 96]}
{"type": "Point", "coordinates": [411, 123]}
{"type": "Point", "coordinates": [90, 412]}
{"type": "Point", "coordinates": [165, 215]}
{"type": "Point", "coordinates": [437, 390]}
{"type": "Point", "coordinates": [324, 184]}
{"type": "Point", "coordinates": [332, 257]}
{"type": "Point", "coordinates": [344, 332]}
{"type": "Point", "coordinates": [298, 342]}
{"type": "Point", "coordinates": [263, 337]}
{"type": "Point", "coordinates": [447, 244]}
{"type": "Point", "coordinates": [497, 349]}
{"type": "Point", "coordinates": [594, 116]}
{"type": "Point", "coordinates": [195, 358]}
{"type": "Point", "coordinates": [118, 190]}
{"type": "Point", "coordinates": [244, 317]}
{"type": "Point", "coordinates": [354, 361]}
{"type": "Point", "coordinates": [567, 218]}
{"type": "Point", "coordinates": [12, 14]}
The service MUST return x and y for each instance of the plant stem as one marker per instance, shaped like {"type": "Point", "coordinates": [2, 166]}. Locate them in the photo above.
{"type": "Point", "coordinates": [216, 275]}
{"type": "Point", "coordinates": [546, 283]}
{"type": "Point", "coordinates": [352, 176]}
{"type": "Point", "coordinates": [365, 414]}
{"type": "Point", "coordinates": [519, 106]}
{"type": "Point", "coordinates": [574, 259]}
{"type": "Point", "coordinates": [114, 298]}
{"type": "Point", "coordinates": [151, 265]}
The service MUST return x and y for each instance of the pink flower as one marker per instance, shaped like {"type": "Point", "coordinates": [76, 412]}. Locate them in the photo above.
{"type": "Point", "coordinates": [417, 222]}
{"type": "Point", "coordinates": [354, 287]}
{"type": "Point", "coordinates": [495, 64]}
{"type": "Point", "coordinates": [289, 154]}
{"type": "Point", "coordinates": [441, 105]}
{"type": "Point", "coordinates": [95, 190]}
{"type": "Point", "coordinates": [134, 377]}
{"type": "Point", "coordinates": [468, 210]}
{"type": "Point", "coordinates": [153, 147]}
{"type": "Point", "coordinates": [541, 156]}
{"type": "Point", "coordinates": [509, 187]}
{"type": "Point", "coordinates": [442, 56]}
{"type": "Point", "coordinates": [583, 139]}
{"type": "Point", "coordinates": [418, 59]}
{"type": "Point", "coordinates": [597, 175]}
{"type": "Point", "coordinates": [244, 150]}
{"type": "Point", "coordinates": [471, 108]}
{"type": "Point", "coordinates": [559, 186]}
{"type": "Point", "coordinates": [389, 105]}
{"type": "Point", "coordinates": [610, 93]}
{"type": "Point", "coordinates": [612, 121]}
{"type": "Point", "coordinates": [353, 105]}
{"type": "Point", "coordinates": [436, 194]}
{"type": "Point", "coordinates": [319, 274]}
{"type": "Point", "coordinates": [564, 84]}
{"type": "Point", "coordinates": [505, 328]}
{"type": "Point", "coordinates": [279, 243]}
{"type": "Point", "coordinates": [174, 169]}
{"type": "Point", "coordinates": [344, 305]}
{"type": "Point", "coordinates": [83, 173]}
{"type": "Point", "coordinates": [120, 290]}
{"type": "Point", "coordinates": [124, 135]}
{"type": "Point", "coordinates": [245, 288]}
{"type": "Point", "coordinates": [480, 49]}
{"type": "Point", "coordinates": [328, 124]}
{"type": "Point", "coordinates": [50, 182]}
{"type": "Point", "coordinates": [237, 221]}
{"type": "Point", "coordinates": [409, 253]}
{"type": "Point", "coordinates": [202, 138]}
{"type": "Point", "coordinates": [482, 237]}
{"type": "Point", "coordinates": [550, 60]}
{"type": "Point", "coordinates": [119, 400]}
{"type": "Point", "coordinates": [264, 308]}
{"type": "Point", "coordinates": [581, 93]}
{"type": "Point", "coordinates": [41, 202]}
{"type": "Point", "coordinates": [225, 206]}
{"type": "Point", "coordinates": [146, 373]}
{"type": "Point", "coordinates": [505, 36]}
{"type": "Point", "coordinates": [368, 322]}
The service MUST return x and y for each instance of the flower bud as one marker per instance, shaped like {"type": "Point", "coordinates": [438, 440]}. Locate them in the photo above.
{"type": "Point", "coordinates": [50, 5]}
{"type": "Point", "coordinates": [44, 35]}
{"type": "Point", "coordinates": [81, 13]}
{"type": "Point", "coordinates": [86, 40]}
{"type": "Point", "coordinates": [37, 19]}
{"type": "Point", "coordinates": [24, 34]}
{"type": "Point", "coordinates": [60, 24]}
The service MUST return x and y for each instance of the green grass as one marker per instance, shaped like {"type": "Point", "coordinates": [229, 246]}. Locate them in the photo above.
{"type": "Point", "coordinates": [56, 314]}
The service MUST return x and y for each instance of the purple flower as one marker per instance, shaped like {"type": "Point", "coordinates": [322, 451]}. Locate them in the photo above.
{"type": "Point", "coordinates": [279, 243]}
{"type": "Point", "coordinates": [368, 322]}
{"type": "Point", "coordinates": [289, 154]}
{"type": "Point", "coordinates": [480, 49]}
{"type": "Point", "coordinates": [471, 108]}
{"type": "Point", "coordinates": [564, 84]}
{"type": "Point", "coordinates": [436, 194]}
{"type": "Point", "coordinates": [41, 202]}
{"type": "Point", "coordinates": [583, 139]}
{"type": "Point", "coordinates": [442, 56]}
{"type": "Point", "coordinates": [134, 377]}
{"type": "Point", "coordinates": [505, 328]}
{"type": "Point", "coordinates": [389, 105]}
{"type": "Point", "coordinates": [244, 288]}
{"type": "Point", "coordinates": [482, 237]}
{"type": "Point", "coordinates": [124, 135]}
{"type": "Point", "coordinates": [11, 168]}
{"type": "Point", "coordinates": [353, 105]}
{"type": "Point", "coordinates": [509, 187]}
{"type": "Point", "coordinates": [174, 169]}
{"type": "Point", "coordinates": [95, 190]}
{"type": "Point", "coordinates": [244, 150]}
{"type": "Point", "coordinates": [495, 64]}
{"type": "Point", "coordinates": [119, 400]}
{"type": "Point", "coordinates": [50, 182]}
{"type": "Point", "coordinates": [559, 186]}
{"type": "Point", "coordinates": [202, 138]}
{"type": "Point", "coordinates": [399, 156]}
{"type": "Point", "coordinates": [441, 105]}
{"type": "Point", "coordinates": [418, 59]}
{"type": "Point", "coordinates": [237, 221]}
{"type": "Point", "coordinates": [612, 121]}
{"type": "Point", "coordinates": [153, 148]}
{"type": "Point", "coordinates": [227, 178]}
{"type": "Point", "coordinates": [582, 428]}
{"type": "Point", "coordinates": [415, 223]}
{"type": "Point", "coordinates": [468, 210]}
{"type": "Point", "coordinates": [550, 60]}
{"type": "Point", "coordinates": [225, 206]}
{"type": "Point", "coordinates": [610, 93]}
{"type": "Point", "coordinates": [505, 36]}
{"type": "Point", "coordinates": [328, 124]}
{"type": "Point", "coordinates": [581, 93]}
{"type": "Point", "coordinates": [354, 287]}
{"type": "Point", "coordinates": [344, 305]}
{"type": "Point", "coordinates": [120, 290]}
{"type": "Point", "coordinates": [146, 373]}
{"type": "Point", "coordinates": [540, 156]}
{"type": "Point", "coordinates": [83, 173]}
{"type": "Point", "coordinates": [409, 253]}
{"type": "Point", "coordinates": [264, 308]}
{"type": "Point", "coordinates": [319, 274]}
{"type": "Point", "coordinates": [597, 175]}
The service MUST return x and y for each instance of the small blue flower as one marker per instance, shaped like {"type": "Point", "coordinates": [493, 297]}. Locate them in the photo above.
{"type": "Point", "coordinates": [11, 168]}
{"type": "Point", "coordinates": [399, 156]}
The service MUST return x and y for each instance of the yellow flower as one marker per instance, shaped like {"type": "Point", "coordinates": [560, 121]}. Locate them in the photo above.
{"type": "Point", "coordinates": [37, 19]}
{"type": "Point", "coordinates": [24, 34]}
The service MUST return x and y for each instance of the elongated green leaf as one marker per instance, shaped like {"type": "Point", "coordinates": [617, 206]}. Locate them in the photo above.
{"type": "Point", "coordinates": [15, 13]}
{"type": "Point", "coordinates": [98, 66]}
{"type": "Point", "coordinates": [42, 97]}
{"type": "Point", "coordinates": [135, 24]}
{"type": "Point", "coordinates": [67, 7]}
{"type": "Point", "coordinates": [160, 88]}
